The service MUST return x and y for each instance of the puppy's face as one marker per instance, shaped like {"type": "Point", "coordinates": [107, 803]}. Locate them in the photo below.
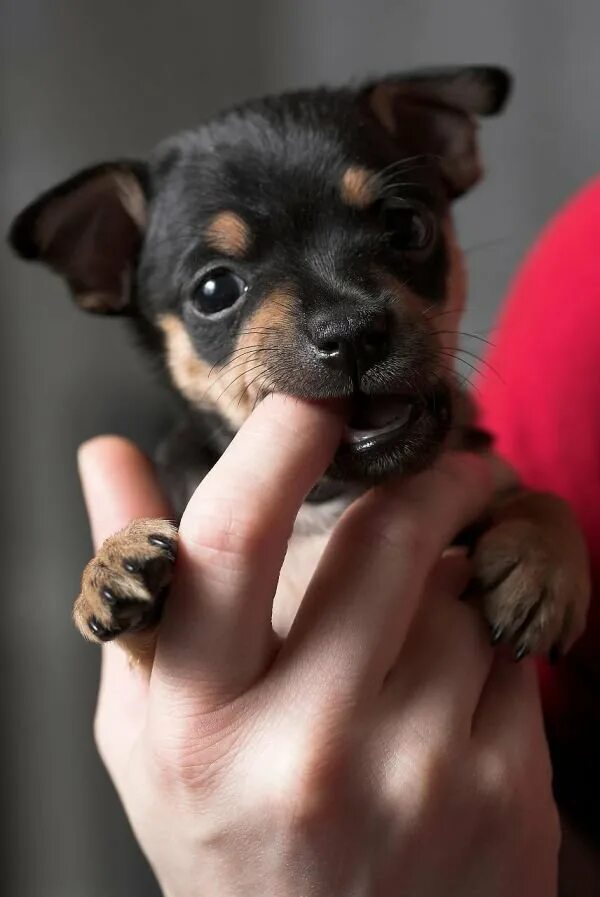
{"type": "Point", "coordinates": [300, 244]}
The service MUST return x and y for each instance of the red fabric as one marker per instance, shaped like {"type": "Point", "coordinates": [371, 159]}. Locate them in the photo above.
{"type": "Point", "coordinates": [544, 409]}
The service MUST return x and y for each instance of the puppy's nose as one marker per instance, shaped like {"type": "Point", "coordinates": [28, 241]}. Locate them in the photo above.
{"type": "Point", "coordinates": [351, 344]}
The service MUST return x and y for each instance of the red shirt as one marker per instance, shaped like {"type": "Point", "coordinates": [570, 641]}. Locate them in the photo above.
{"type": "Point", "coordinates": [544, 409]}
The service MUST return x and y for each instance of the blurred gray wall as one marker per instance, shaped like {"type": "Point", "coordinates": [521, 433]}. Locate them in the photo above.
{"type": "Point", "coordinates": [85, 80]}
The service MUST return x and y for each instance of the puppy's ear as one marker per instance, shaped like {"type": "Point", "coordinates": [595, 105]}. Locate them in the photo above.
{"type": "Point", "coordinates": [433, 113]}
{"type": "Point", "coordinates": [89, 229]}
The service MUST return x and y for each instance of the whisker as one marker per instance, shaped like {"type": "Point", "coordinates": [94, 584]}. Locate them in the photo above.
{"type": "Point", "coordinates": [388, 189]}
{"type": "Point", "coordinates": [464, 361]}
{"type": "Point", "coordinates": [238, 353]}
{"type": "Point", "coordinates": [244, 351]}
{"type": "Point", "coordinates": [462, 381]}
{"type": "Point", "coordinates": [483, 361]}
{"type": "Point", "coordinates": [271, 352]}
{"type": "Point", "coordinates": [233, 367]}
{"type": "Point", "coordinates": [230, 367]}
{"type": "Point", "coordinates": [424, 159]}
{"type": "Point", "coordinates": [481, 339]}
{"type": "Point", "coordinates": [239, 376]}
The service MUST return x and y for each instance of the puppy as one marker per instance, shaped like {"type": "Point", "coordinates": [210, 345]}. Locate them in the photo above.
{"type": "Point", "coordinates": [304, 244]}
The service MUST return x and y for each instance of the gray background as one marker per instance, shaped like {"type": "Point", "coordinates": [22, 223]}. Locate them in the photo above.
{"type": "Point", "coordinates": [82, 81]}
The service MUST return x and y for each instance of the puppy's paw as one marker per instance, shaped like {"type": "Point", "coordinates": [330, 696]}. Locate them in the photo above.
{"type": "Point", "coordinates": [533, 591]}
{"type": "Point", "coordinates": [124, 586]}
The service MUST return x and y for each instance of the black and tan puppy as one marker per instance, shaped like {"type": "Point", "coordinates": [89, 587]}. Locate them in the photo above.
{"type": "Point", "coordinates": [304, 244]}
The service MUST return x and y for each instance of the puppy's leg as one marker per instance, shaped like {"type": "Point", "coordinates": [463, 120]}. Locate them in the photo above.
{"type": "Point", "coordinates": [532, 574]}
{"type": "Point", "coordinates": [124, 586]}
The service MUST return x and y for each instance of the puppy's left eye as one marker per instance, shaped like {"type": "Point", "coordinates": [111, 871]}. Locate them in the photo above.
{"type": "Point", "coordinates": [410, 228]}
{"type": "Point", "coordinates": [217, 290]}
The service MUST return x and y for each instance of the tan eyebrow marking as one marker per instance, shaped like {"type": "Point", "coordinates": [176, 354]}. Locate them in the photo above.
{"type": "Point", "coordinates": [231, 389]}
{"type": "Point", "coordinates": [228, 233]}
{"type": "Point", "coordinates": [357, 187]}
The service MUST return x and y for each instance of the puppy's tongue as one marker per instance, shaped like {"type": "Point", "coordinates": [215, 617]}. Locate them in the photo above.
{"type": "Point", "coordinates": [374, 416]}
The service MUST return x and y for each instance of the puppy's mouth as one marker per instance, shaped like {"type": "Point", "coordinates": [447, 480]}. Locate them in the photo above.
{"type": "Point", "coordinates": [377, 420]}
{"type": "Point", "coordinates": [392, 433]}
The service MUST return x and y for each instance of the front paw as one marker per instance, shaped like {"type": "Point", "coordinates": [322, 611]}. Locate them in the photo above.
{"type": "Point", "coordinates": [123, 588]}
{"type": "Point", "coordinates": [533, 590]}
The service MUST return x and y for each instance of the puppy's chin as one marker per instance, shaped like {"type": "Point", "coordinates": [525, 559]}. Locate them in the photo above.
{"type": "Point", "coordinates": [390, 435]}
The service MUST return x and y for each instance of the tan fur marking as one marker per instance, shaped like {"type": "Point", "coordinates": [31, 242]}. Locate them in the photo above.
{"type": "Point", "coordinates": [272, 318]}
{"type": "Point", "coordinates": [234, 387]}
{"type": "Point", "coordinates": [229, 234]}
{"type": "Point", "coordinates": [203, 385]}
{"type": "Point", "coordinates": [264, 330]}
{"type": "Point", "coordinates": [95, 301]}
{"type": "Point", "coordinates": [357, 186]}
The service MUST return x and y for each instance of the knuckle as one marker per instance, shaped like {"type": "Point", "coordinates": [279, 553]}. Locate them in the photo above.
{"type": "Point", "coordinates": [304, 778]}
{"type": "Point", "coordinates": [423, 773]}
{"type": "Point", "coordinates": [498, 788]}
{"type": "Point", "coordinates": [221, 531]}
{"type": "Point", "coordinates": [435, 775]}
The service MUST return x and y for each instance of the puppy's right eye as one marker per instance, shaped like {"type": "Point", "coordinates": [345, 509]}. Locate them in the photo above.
{"type": "Point", "coordinates": [217, 290]}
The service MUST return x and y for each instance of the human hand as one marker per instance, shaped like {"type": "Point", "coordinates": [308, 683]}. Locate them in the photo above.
{"type": "Point", "coordinates": [383, 748]}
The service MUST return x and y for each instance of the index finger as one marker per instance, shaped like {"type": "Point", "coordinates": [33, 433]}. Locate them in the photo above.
{"type": "Point", "coordinates": [216, 635]}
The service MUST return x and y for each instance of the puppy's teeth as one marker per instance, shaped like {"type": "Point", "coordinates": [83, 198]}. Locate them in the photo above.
{"type": "Point", "coordinates": [355, 434]}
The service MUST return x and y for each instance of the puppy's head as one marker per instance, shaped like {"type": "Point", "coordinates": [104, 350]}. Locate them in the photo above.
{"type": "Point", "coordinates": [300, 244]}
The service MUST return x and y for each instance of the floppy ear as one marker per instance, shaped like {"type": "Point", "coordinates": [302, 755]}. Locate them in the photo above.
{"type": "Point", "coordinates": [89, 229]}
{"type": "Point", "coordinates": [433, 112]}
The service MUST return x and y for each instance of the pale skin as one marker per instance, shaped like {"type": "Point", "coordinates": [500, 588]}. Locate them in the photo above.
{"type": "Point", "coordinates": [379, 748]}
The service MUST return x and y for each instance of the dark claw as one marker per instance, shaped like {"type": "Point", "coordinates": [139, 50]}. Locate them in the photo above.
{"type": "Point", "coordinates": [521, 652]}
{"type": "Point", "coordinates": [132, 566]}
{"type": "Point", "coordinates": [100, 631]}
{"type": "Point", "coordinates": [496, 634]}
{"type": "Point", "coordinates": [109, 597]}
{"type": "Point", "coordinates": [167, 545]}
